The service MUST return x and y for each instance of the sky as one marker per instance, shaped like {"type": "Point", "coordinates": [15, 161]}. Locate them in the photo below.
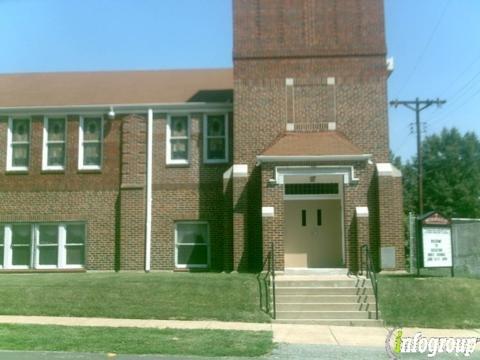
{"type": "Point", "coordinates": [435, 44]}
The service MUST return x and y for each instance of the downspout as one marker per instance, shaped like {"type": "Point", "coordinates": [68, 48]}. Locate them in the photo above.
{"type": "Point", "coordinates": [148, 222]}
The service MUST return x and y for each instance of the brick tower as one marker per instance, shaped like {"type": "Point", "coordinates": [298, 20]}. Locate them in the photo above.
{"type": "Point", "coordinates": [308, 73]}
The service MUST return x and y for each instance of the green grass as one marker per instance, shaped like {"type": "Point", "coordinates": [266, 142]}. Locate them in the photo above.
{"type": "Point", "coordinates": [430, 302]}
{"type": "Point", "coordinates": [179, 296]}
{"type": "Point", "coordinates": [135, 341]}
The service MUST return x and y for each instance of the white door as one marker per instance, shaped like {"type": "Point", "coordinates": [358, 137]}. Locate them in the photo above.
{"type": "Point", "coordinates": [313, 234]}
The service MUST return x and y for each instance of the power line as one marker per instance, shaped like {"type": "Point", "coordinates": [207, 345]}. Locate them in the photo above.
{"type": "Point", "coordinates": [463, 89]}
{"type": "Point", "coordinates": [442, 119]}
{"type": "Point", "coordinates": [426, 47]}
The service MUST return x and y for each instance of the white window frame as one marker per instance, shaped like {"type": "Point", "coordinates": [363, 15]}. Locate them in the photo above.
{"type": "Point", "coordinates": [81, 143]}
{"type": "Point", "coordinates": [8, 250]}
{"type": "Point", "coordinates": [169, 137]}
{"type": "Point", "coordinates": [38, 247]}
{"type": "Point", "coordinates": [207, 244]}
{"type": "Point", "coordinates": [206, 160]}
{"type": "Point", "coordinates": [10, 167]}
{"type": "Point", "coordinates": [45, 166]}
{"type": "Point", "coordinates": [64, 246]}
{"type": "Point", "coordinates": [35, 247]}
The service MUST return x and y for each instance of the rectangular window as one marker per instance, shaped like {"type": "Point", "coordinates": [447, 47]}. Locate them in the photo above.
{"type": "Point", "coordinates": [42, 246]}
{"type": "Point", "coordinates": [178, 142]}
{"type": "Point", "coordinates": [54, 135]}
{"type": "Point", "coordinates": [47, 245]}
{"type": "Point", "coordinates": [192, 245]}
{"type": "Point", "coordinates": [304, 217]}
{"type": "Point", "coordinates": [75, 245]}
{"type": "Point", "coordinates": [319, 217]}
{"type": "Point", "coordinates": [90, 146]}
{"type": "Point", "coordinates": [18, 144]}
{"type": "Point", "coordinates": [21, 246]}
{"type": "Point", "coordinates": [215, 138]}
{"type": "Point", "coordinates": [311, 189]}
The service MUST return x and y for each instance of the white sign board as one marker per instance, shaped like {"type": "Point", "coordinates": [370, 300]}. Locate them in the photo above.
{"type": "Point", "coordinates": [437, 247]}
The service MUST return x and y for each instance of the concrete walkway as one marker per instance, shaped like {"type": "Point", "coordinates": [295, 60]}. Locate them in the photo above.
{"type": "Point", "coordinates": [282, 333]}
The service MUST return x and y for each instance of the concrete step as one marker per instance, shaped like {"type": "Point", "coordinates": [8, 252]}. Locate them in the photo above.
{"type": "Point", "coordinates": [334, 322]}
{"type": "Point", "coordinates": [306, 315]}
{"type": "Point", "coordinates": [324, 283]}
{"type": "Point", "coordinates": [322, 291]}
{"type": "Point", "coordinates": [319, 299]}
{"type": "Point", "coordinates": [325, 307]}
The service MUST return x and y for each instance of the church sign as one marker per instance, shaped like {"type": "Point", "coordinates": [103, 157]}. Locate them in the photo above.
{"type": "Point", "coordinates": [436, 244]}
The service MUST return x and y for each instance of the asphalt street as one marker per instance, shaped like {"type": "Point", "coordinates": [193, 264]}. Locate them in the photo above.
{"type": "Point", "coordinates": [291, 352]}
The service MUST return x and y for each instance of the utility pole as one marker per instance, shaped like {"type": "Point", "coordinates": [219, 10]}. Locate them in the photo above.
{"type": "Point", "coordinates": [418, 106]}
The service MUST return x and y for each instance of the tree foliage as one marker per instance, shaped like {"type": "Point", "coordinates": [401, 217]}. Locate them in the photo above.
{"type": "Point", "coordinates": [451, 175]}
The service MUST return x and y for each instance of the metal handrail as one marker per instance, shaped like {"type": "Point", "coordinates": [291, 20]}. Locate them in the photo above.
{"type": "Point", "coordinates": [267, 278]}
{"type": "Point", "coordinates": [370, 269]}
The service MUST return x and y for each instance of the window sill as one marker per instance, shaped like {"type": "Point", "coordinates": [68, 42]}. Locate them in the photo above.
{"type": "Point", "coordinates": [185, 165]}
{"type": "Point", "coordinates": [89, 171]}
{"type": "Point", "coordinates": [53, 171]}
{"type": "Point", "coordinates": [16, 172]}
{"type": "Point", "coordinates": [26, 271]}
{"type": "Point", "coordinates": [218, 163]}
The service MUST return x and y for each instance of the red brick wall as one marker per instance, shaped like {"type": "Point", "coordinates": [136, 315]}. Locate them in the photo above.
{"type": "Point", "coordinates": [193, 192]}
{"type": "Point", "coordinates": [391, 217]}
{"type": "Point", "coordinates": [71, 195]}
{"type": "Point", "coordinates": [293, 28]}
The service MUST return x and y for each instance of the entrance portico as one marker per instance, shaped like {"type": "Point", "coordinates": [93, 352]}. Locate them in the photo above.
{"type": "Point", "coordinates": [304, 204]}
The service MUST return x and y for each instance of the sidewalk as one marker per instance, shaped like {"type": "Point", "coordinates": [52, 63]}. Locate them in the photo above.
{"type": "Point", "coordinates": [282, 333]}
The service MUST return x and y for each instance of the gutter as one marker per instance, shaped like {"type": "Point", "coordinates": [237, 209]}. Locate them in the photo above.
{"type": "Point", "coordinates": [119, 108]}
{"type": "Point", "coordinates": [303, 158]}
{"type": "Point", "coordinates": [148, 221]}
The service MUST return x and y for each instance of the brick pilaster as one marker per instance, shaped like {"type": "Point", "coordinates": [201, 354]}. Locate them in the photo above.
{"type": "Point", "coordinates": [390, 202]}
{"type": "Point", "coordinates": [132, 194]}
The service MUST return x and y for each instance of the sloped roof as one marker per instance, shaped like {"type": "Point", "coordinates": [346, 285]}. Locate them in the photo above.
{"type": "Point", "coordinates": [116, 87]}
{"type": "Point", "coordinates": [319, 144]}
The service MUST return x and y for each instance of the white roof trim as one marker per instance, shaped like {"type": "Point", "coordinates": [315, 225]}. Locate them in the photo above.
{"type": "Point", "coordinates": [273, 158]}
{"type": "Point", "coordinates": [119, 108]}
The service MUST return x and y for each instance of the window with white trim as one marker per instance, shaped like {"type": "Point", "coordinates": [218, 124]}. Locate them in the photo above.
{"type": "Point", "coordinates": [18, 144]}
{"type": "Point", "coordinates": [178, 139]}
{"type": "Point", "coordinates": [90, 146]}
{"type": "Point", "coordinates": [54, 135]}
{"type": "Point", "coordinates": [21, 246]}
{"type": "Point", "coordinates": [42, 246]}
{"type": "Point", "coordinates": [215, 138]}
{"type": "Point", "coordinates": [192, 244]}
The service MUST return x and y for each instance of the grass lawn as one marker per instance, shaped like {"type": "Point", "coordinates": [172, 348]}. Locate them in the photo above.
{"type": "Point", "coordinates": [430, 301]}
{"type": "Point", "coordinates": [135, 341]}
{"type": "Point", "coordinates": [180, 296]}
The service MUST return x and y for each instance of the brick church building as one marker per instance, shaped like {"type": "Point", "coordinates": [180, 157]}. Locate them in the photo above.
{"type": "Point", "coordinates": [210, 169]}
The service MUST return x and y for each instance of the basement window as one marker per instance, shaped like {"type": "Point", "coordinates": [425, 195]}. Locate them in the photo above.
{"type": "Point", "coordinates": [191, 244]}
{"type": "Point", "coordinates": [42, 246]}
{"type": "Point", "coordinates": [18, 144]}
{"type": "Point", "coordinates": [90, 143]}
{"type": "Point", "coordinates": [178, 142]}
{"type": "Point", "coordinates": [215, 138]}
{"type": "Point", "coordinates": [54, 135]}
